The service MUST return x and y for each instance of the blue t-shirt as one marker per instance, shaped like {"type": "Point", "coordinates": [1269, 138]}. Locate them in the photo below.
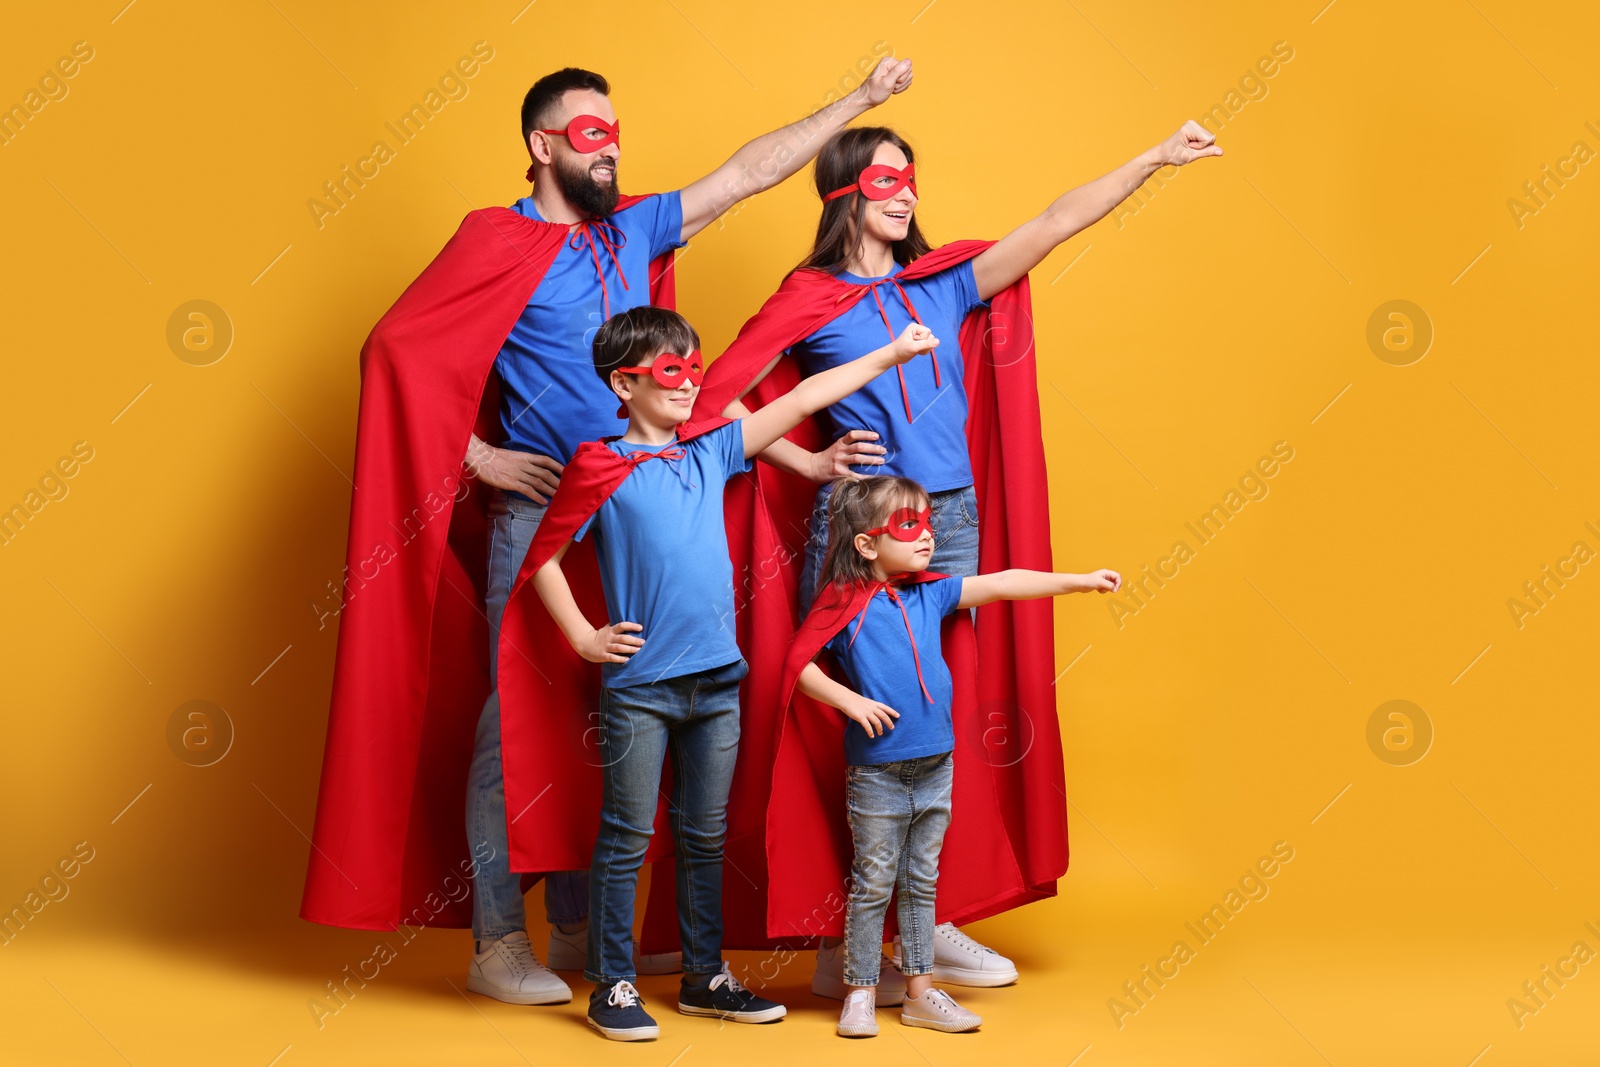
{"type": "Point", "coordinates": [551, 399]}
{"type": "Point", "coordinates": [664, 563]}
{"type": "Point", "coordinates": [880, 666]}
{"type": "Point", "coordinates": [932, 447]}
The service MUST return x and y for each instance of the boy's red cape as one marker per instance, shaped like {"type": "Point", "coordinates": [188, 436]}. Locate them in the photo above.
{"type": "Point", "coordinates": [788, 848]}
{"type": "Point", "coordinates": [412, 670]}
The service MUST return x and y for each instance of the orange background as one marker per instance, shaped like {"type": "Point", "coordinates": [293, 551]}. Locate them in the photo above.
{"type": "Point", "coordinates": [1178, 343]}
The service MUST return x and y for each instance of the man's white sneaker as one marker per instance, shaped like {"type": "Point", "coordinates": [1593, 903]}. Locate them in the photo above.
{"type": "Point", "coordinates": [859, 1018]}
{"type": "Point", "coordinates": [828, 981]}
{"type": "Point", "coordinates": [507, 970]}
{"type": "Point", "coordinates": [936, 1011]}
{"type": "Point", "coordinates": [959, 960]}
{"type": "Point", "coordinates": [570, 952]}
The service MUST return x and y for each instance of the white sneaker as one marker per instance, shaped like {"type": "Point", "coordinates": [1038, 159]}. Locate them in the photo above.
{"type": "Point", "coordinates": [570, 952]}
{"type": "Point", "coordinates": [859, 1017]}
{"type": "Point", "coordinates": [507, 970]}
{"type": "Point", "coordinates": [959, 960]}
{"type": "Point", "coordinates": [828, 980]}
{"type": "Point", "coordinates": [936, 1011]}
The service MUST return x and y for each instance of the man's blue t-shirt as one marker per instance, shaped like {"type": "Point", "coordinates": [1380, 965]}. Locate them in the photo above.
{"type": "Point", "coordinates": [551, 399]}
{"type": "Point", "coordinates": [932, 447]}
{"type": "Point", "coordinates": [664, 563]}
{"type": "Point", "coordinates": [880, 666]}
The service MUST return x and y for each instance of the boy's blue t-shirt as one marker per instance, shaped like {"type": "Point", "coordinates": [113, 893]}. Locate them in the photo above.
{"type": "Point", "coordinates": [932, 448]}
{"type": "Point", "coordinates": [664, 563]}
{"type": "Point", "coordinates": [879, 665]}
{"type": "Point", "coordinates": [551, 399]}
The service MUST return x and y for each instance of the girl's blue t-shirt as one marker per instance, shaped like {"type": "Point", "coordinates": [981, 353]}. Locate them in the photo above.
{"type": "Point", "coordinates": [879, 665]}
{"type": "Point", "coordinates": [663, 554]}
{"type": "Point", "coordinates": [932, 446]}
{"type": "Point", "coordinates": [551, 399]}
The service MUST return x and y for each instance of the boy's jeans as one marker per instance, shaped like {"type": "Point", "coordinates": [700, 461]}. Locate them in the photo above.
{"type": "Point", "coordinates": [694, 719]}
{"type": "Point", "coordinates": [898, 816]}
{"type": "Point", "coordinates": [955, 538]}
{"type": "Point", "coordinates": [497, 907]}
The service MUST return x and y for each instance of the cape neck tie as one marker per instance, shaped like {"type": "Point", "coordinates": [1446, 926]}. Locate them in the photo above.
{"type": "Point", "coordinates": [916, 658]}
{"type": "Point", "coordinates": [596, 234]}
{"type": "Point", "coordinates": [672, 453]}
{"type": "Point", "coordinates": [883, 313]}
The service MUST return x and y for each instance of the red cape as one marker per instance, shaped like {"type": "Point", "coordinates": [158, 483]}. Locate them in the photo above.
{"type": "Point", "coordinates": [1007, 843]}
{"type": "Point", "coordinates": [550, 698]}
{"type": "Point", "coordinates": [412, 668]}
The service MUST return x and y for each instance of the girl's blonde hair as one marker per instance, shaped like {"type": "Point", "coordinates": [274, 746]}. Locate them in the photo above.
{"type": "Point", "coordinates": [854, 507]}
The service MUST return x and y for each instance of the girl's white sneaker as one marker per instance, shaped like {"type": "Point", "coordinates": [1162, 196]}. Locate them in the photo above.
{"type": "Point", "coordinates": [859, 1018]}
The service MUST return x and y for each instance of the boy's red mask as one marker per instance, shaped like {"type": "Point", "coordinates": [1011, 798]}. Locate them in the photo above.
{"type": "Point", "coordinates": [907, 524]}
{"type": "Point", "coordinates": [903, 179]}
{"type": "Point", "coordinates": [671, 370]}
{"type": "Point", "coordinates": [581, 140]}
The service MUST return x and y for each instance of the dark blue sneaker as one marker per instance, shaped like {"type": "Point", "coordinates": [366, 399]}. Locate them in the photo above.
{"type": "Point", "coordinates": [724, 998]}
{"type": "Point", "coordinates": [617, 1011]}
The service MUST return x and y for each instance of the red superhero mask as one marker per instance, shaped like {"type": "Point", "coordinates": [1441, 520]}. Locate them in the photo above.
{"type": "Point", "coordinates": [907, 524]}
{"type": "Point", "coordinates": [671, 370]}
{"type": "Point", "coordinates": [582, 141]}
{"type": "Point", "coordinates": [867, 187]}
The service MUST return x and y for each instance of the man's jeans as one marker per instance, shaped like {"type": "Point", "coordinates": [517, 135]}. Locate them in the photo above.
{"type": "Point", "coordinates": [694, 719]}
{"type": "Point", "coordinates": [497, 907]}
{"type": "Point", "coordinates": [898, 816]}
{"type": "Point", "coordinates": [955, 538]}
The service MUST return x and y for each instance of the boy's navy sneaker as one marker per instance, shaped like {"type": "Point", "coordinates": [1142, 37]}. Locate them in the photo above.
{"type": "Point", "coordinates": [617, 1011]}
{"type": "Point", "coordinates": [724, 998]}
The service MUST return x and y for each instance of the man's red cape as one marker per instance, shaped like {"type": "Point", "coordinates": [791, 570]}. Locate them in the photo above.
{"type": "Point", "coordinates": [1007, 843]}
{"type": "Point", "coordinates": [412, 669]}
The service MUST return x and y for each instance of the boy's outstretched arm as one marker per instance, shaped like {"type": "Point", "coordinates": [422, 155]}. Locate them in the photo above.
{"type": "Point", "coordinates": [832, 385]}
{"type": "Point", "coordinates": [772, 157]}
{"type": "Point", "coordinates": [609, 644]}
{"type": "Point", "coordinates": [1031, 585]}
{"type": "Point", "coordinates": [874, 717]}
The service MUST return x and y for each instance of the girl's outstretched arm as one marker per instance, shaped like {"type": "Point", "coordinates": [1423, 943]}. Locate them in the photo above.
{"type": "Point", "coordinates": [1031, 585]}
{"type": "Point", "coordinates": [1025, 247]}
{"type": "Point", "coordinates": [874, 717]}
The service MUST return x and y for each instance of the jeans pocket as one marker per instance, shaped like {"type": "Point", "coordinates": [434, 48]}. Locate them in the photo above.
{"type": "Point", "coordinates": [968, 502]}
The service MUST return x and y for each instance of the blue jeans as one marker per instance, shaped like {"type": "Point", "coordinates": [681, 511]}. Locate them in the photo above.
{"type": "Point", "coordinates": [898, 816]}
{"type": "Point", "coordinates": [955, 538]}
{"type": "Point", "coordinates": [497, 907]}
{"type": "Point", "coordinates": [694, 719]}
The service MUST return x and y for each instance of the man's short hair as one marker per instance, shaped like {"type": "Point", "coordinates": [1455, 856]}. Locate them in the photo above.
{"type": "Point", "coordinates": [539, 106]}
{"type": "Point", "coordinates": [628, 338]}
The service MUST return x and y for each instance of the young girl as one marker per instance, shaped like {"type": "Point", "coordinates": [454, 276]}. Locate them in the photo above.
{"type": "Point", "coordinates": [879, 610]}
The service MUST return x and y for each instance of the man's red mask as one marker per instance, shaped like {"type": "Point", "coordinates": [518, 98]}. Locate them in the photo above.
{"type": "Point", "coordinates": [671, 370]}
{"type": "Point", "coordinates": [584, 142]}
{"type": "Point", "coordinates": [907, 524]}
{"type": "Point", "coordinates": [867, 187]}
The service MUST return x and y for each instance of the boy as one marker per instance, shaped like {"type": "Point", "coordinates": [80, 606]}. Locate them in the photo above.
{"type": "Point", "coordinates": [670, 664]}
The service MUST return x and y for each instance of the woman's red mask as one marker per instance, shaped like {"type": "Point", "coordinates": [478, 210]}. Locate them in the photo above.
{"type": "Point", "coordinates": [581, 138]}
{"type": "Point", "coordinates": [867, 185]}
{"type": "Point", "coordinates": [671, 370]}
{"type": "Point", "coordinates": [907, 524]}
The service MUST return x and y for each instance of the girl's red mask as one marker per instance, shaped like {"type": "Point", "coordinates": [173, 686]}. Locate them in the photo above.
{"type": "Point", "coordinates": [867, 187]}
{"type": "Point", "coordinates": [907, 524]}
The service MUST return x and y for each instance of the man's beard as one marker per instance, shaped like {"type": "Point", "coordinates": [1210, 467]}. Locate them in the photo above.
{"type": "Point", "coordinates": [584, 192]}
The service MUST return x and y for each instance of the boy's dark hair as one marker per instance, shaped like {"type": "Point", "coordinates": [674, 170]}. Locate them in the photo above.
{"type": "Point", "coordinates": [539, 106]}
{"type": "Point", "coordinates": [630, 337]}
{"type": "Point", "coordinates": [856, 507]}
{"type": "Point", "coordinates": [839, 164]}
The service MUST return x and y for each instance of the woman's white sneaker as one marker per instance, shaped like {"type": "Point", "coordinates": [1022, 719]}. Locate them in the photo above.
{"type": "Point", "coordinates": [508, 970]}
{"type": "Point", "coordinates": [959, 960]}
{"type": "Point", "coordinates": [859, 1017]}
{"type": "Point", "coordinates": [936, 1011]}
{"type": "Point", "coordinates": [828, 979]}
{"type": "Point", "coordinates": [570, 952]}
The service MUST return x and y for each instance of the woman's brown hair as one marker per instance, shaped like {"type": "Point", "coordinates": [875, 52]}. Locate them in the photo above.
{"type": "Point", "coordinates": [855, 507]}
{"type": "Point", "coordinates": [839, 230]}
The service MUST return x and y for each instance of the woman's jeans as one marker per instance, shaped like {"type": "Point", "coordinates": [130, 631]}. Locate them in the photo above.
{"type": "Point", "coordinates": [694, 720]}
{"type": "Point", "coordinates": [898, 816]}
{"type": "Point", "coordinates": [955, 538]}
{"type": "Point", "coordinates": [497, 907]}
